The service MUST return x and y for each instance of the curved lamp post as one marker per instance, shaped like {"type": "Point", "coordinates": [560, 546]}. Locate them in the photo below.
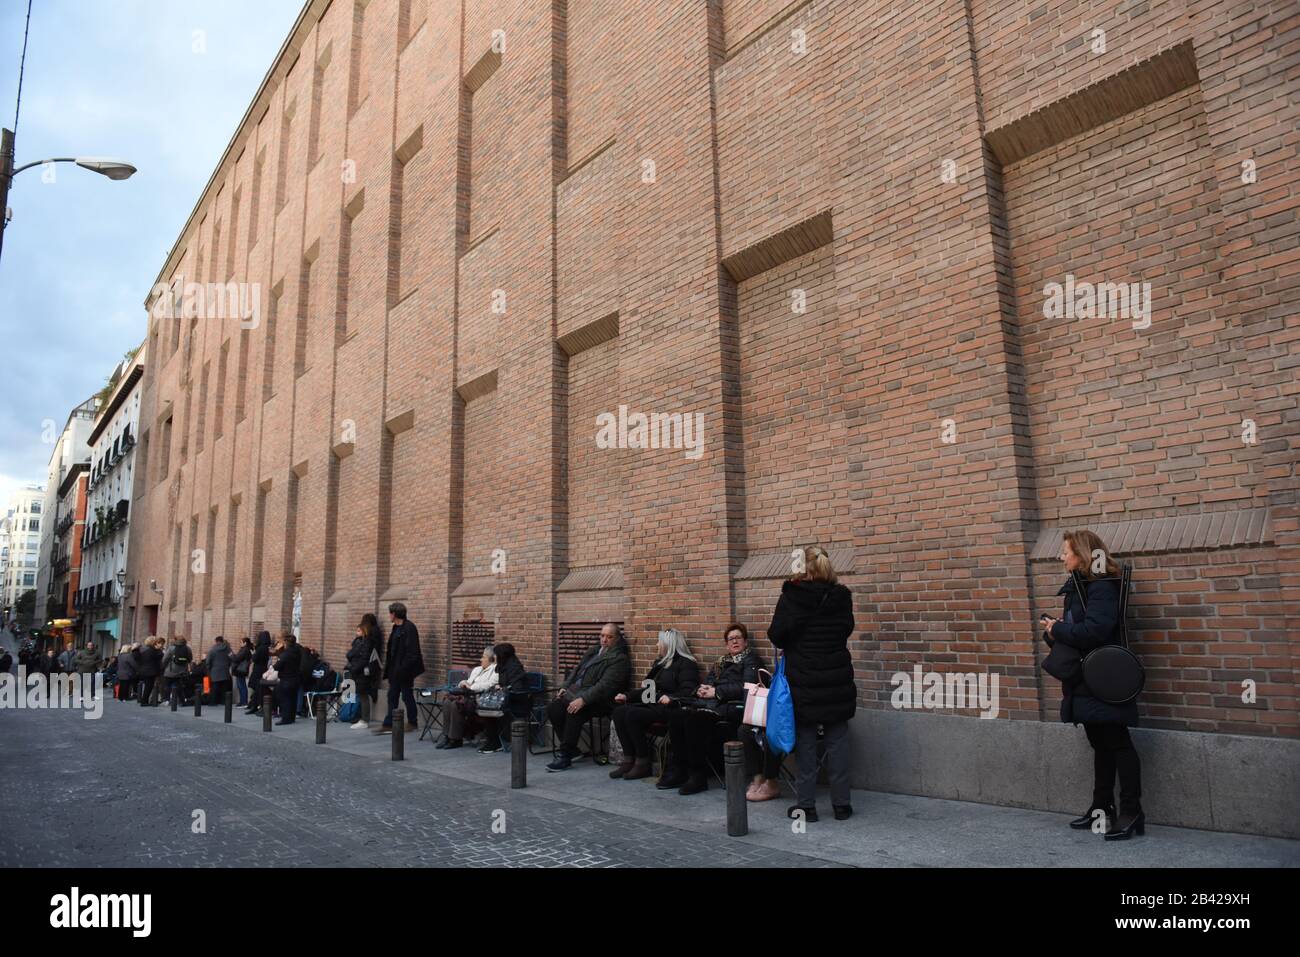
{"type": "Point", "coordinates": [114, 169]}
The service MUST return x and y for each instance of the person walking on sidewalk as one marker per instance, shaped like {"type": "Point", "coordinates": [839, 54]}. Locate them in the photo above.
{"type": "Point", "coordinates": [218, 664]}
{"type": "Point", "coordinates": [812, 623]}
{"type": "Point", "coordinates": [240, 662]}
{"type": "Point", "coordinates": [261, 661]}
{"type": "Point", "coordinates": [404, 662]}
{"type": "Point", "coordinates": [86, 662]}
{"type": "Point", "coordinates": [1091, 619]}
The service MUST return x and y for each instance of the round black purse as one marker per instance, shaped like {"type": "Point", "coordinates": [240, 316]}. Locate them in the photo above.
{"type": "Point", "coordinates": [1112, 672]}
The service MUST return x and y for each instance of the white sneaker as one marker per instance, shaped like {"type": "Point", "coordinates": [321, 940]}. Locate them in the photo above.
{"type": "Point", "coordinates": [359, 724]}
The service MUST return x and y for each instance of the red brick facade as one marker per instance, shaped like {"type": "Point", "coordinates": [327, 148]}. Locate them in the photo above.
{"type": "Point", "coordinates": [827, 227]}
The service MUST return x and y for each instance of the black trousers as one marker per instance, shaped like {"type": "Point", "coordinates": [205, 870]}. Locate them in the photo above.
{"type": "Point", "coordinates": [568, 727]}
{"type": "Point", "coordinates": [1112, 750]}
{"type": "Point", "coordinates": [219, 689]}
{"type": "Point", "coordinates": [146, 689]}
{"type": "Point", "coordinates": [124, 689]}
{"type": "Point", "coordinates": [288, 696]}
{"type": "Point", "coordinates": [698, 734]}
{"type": "Point", "coordinates": [632, 723]}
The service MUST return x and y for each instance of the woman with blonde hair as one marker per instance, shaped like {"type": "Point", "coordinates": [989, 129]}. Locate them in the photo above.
{"type": "Point", "coordinates": [675, 674]}
{"type": "Point", "coordinates": [812, 624]}
{"type": "Point", "coordinates": [1091, 619]}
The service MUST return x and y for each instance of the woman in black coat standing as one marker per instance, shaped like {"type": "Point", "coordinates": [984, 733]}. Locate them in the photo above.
{"type": "Point", "coordinates": [288, 664]}
{"type": "Point", "coordinates": [148, 667]}
{"type": "Point", "coordinates": [1090, 620]}
{"type": "Point", "coordinates": [812, 625]}
{"type": "Point", "coordinates": [365, 662]}
{"type": "Point", "coordinates": [674, 675]}
{"type": "Point", "coordinates": [261, 660]}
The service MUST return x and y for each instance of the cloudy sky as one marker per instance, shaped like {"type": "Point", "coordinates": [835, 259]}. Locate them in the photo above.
{"type": "Point", "coordinates": [122, 78]}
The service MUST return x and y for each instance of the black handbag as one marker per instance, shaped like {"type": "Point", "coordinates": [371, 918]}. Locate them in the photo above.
{"type": "Point", "coordinates": [492, 703]}
{"type": "Point", "coordinates": [1113, 673]}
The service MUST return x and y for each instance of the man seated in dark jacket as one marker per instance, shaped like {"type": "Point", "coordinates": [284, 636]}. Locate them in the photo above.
{"type": "Point", "coordinates": [603, 673]}
{"type": "Point", "coordinates": [402, 665]}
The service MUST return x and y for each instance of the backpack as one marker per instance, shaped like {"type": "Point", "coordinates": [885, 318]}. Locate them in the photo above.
{"type": "Point", "coordinates": [181, 656]}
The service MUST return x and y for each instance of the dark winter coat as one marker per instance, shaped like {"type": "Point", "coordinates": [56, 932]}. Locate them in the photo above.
{"type": "Point", "coordinates": [678, 680]}
{"type": "Point", "coordinates": [261, 654]}
{"type": "Point", "coordinates": [126, 668]}
{"type": "Point", "coordinates": [604, 676]}
{"type": "Point", "coordinates": [86, 661]}
{"type": "Point", "coordinates": [218, 661]}
{"type": "Point", "coordinates": [6, 662]}
{"type": "Point", "coordinates": [148, 662]}
{"type": "Point", "coordinates": [289, 665]}
{"type": "Point", "coordinates": [359, 659]}
{"type": "Point", "coordinates": [241, 662]}
{"type": "Point", "coordinates": [405, 661]}
{"type": "Point", "coordinates": [812, 625]}
{"type": "Point", "coordinates": [729, 678]}
{"type": "Point", "coordinates": [1084, 631]}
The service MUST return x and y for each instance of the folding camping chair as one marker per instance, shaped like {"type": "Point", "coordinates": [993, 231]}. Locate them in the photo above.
{"type": "Point", "coordinates": [331, 699]}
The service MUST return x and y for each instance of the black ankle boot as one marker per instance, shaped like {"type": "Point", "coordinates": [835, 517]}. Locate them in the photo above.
{"type": "Point", "coordinates": [1128, 825]}
{"type": "Point", "coordinates": [696, 783]}
{"type": "Point", "coordinates": [672, 779]}
{"type": "Point", "coordinates": [1084, 822]}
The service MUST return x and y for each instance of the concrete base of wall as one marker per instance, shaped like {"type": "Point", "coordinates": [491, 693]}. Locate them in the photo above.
{"type": "Point", "coordinates": [1217, 781]}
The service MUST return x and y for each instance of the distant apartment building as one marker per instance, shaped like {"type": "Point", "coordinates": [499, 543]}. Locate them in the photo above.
{"type": "Point", "coordinates": [58, 551]}
{"type": "Point", "coordinates": [24, 519]}
{"type": "Point", "coordinates": [109, 483]}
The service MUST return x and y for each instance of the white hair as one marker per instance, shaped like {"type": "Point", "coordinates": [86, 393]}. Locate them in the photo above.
{"type": "Point", "coordinates": [672, 643]}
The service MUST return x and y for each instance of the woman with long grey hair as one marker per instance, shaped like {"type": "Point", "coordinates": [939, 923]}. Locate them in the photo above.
{"type": "Point", "coordinates": [675, 674]}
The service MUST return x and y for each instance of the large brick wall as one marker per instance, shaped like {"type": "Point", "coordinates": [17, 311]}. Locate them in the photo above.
{"type": "Point", "coordinates": [826, 226]}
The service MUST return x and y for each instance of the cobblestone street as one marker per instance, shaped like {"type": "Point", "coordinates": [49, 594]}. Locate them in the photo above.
{"type": "Point", "coordinates": [122, 791]}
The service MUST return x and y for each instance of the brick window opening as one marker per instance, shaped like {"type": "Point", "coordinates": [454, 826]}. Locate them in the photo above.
{"type": "Point", "coordinates": [468, 639]}
{"type": "Point", "coordinates": [576, 639]}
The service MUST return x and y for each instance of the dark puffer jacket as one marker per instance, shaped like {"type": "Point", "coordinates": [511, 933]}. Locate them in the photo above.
{"type": "Point", "coordinates": [728, 678]}
{"type": "Point", "coordinates": [678, 680]}
{"type": "Point", "coordinates": [812, 624]}
{"type": "Point", "coordinates": [1084, 631]}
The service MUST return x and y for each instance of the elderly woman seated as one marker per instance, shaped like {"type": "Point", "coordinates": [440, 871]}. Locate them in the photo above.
{"type": "Point", "coordinates": [458, 710]}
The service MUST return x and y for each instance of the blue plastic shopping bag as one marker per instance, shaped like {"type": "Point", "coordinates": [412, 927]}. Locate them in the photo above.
{"type": "Point", "coordinates": [780, 713]}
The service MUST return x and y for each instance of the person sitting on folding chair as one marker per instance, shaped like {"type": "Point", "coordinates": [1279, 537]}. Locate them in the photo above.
{"type": "Point", "coordinates": [675, 674]}
{"type": "Point", "coordinates": [589, 693]}
{"type": "Point", "coordinates": [699, 726]}
{"type": "Point", "coordinates": [512, 676]}
{"type": "Point", "coordinates": [458, 712]}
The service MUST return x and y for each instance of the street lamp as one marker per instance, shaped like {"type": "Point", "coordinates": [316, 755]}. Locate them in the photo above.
{"type": "Point", "coordinates": [114, 169]}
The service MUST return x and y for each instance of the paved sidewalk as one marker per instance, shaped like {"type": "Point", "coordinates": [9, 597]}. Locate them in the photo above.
{"type": "Point", "coordinates": [886, 829]}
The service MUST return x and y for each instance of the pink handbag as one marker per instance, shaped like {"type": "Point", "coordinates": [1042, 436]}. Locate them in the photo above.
{"type": "Point", "coordinates": [756, 702]}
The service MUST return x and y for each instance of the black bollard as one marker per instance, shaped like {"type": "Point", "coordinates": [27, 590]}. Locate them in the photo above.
{"type": "Point", "coordinates": [176, 698]}
{"type": "Point", "coordinates": [198, 701]}
{"type": "Point", "coordinates": [155, 692]}
{"type": "Point", "coordinates": [399, 735]}
{"type": "Point", "coordinates": [365, 708]}
{"type": "Point", "coordinates": [518, 754]}
{"type": "Point", "coordinates": [266, 710]}
{"type": "Point", "coordinates": [320, 723]}
{"type": "Point", "coordinates": [230, 705]}
{"type": "Point", "coordinates": [733, 757]}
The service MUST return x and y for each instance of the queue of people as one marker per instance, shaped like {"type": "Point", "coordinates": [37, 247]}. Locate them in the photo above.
{"type": "Point", "coordinates": [811, 627]}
